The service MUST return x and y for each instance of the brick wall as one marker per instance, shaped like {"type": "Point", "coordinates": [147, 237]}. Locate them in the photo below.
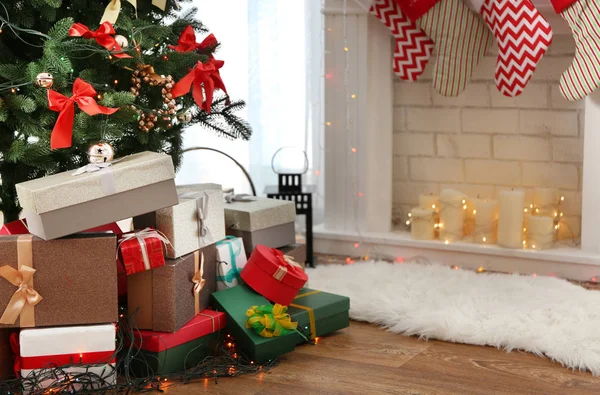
{"type": "Point", "coordinates": [483, 142]}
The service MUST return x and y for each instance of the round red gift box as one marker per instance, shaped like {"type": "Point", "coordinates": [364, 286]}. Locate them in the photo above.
{"type": "Point", "coordinates": [269, 274]}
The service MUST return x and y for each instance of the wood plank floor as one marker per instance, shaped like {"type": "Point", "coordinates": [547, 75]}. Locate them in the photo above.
{"type": "Point", "coordinates": [364, 359]}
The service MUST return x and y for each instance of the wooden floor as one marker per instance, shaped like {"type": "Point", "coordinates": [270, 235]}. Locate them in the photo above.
{"type": "Point", "coordinates": [364, 359]}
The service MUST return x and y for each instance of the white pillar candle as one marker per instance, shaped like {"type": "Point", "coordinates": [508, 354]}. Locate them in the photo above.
{"type": "Point", "coordinates": [422, 223]}
{"type": "Point", "coordinates": [510, 218]}
{"type": "Point", "coordinates": [429, 201]}
{"type": "Point", "coordinates": [540, 232]}
{"type": "Point", "coordinates": [452, 215]}
{"type": "Point", "coordinates": [486, 221]}
{"type": "Point", "coordinates": [545, 201]}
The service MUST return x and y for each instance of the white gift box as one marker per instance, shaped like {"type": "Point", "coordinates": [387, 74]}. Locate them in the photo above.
{"type": "Point", "coordinates": [231, 258]}
{"type": "Point", "coordinates": [197, 221]}
{"type": "Point", "coordinates": [92, 347]}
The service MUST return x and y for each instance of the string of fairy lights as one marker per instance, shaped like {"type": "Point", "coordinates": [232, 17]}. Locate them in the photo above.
{"type": "Point", "coordinates": [228, 361]}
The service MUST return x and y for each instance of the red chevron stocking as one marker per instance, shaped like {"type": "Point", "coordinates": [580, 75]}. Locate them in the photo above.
{"type": "Point", "coordinates": [413, 47]}
{"type": "Point", "coordinates": [523, 37]}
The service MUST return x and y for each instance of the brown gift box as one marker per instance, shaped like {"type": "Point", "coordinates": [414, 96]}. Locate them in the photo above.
{"type": "Point", "coordinates": [163, 299]}
{"type": "Point", "coordinates": [64, 203]}
{"type": "Point", "coordinates": [6, 357]}
{"type": "Point", "coordinates": [75, 276]}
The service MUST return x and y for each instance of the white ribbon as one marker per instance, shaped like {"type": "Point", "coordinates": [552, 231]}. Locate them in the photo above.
{"type": "Point", "coordinates": [231, 197]}
{"type": "Point", "coordinates": [140, 236]}
{"type": "Point", "coordinates": [201, 210]}
{"type": "Point", "coordinates": [91, 168]}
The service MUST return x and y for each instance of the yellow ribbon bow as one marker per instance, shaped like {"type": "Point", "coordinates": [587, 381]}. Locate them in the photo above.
{"type": "Point", "coordinates": [270, 321]}
{"type": "Point", "coordinates": [24, 298]}
{"type": "Point", "coordinates": [198, 280]}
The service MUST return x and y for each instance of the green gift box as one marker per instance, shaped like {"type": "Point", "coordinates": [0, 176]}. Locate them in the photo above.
{"type": "Point", "coordinates": [317, 313]}
{"type": "Point", "coordinates": [320, 313]}
{"type": "Point", "coordinates": [162, 353]}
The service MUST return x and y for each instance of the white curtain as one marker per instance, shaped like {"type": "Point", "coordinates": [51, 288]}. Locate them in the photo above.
{"type": "Point", "coordinates": [272, 51]}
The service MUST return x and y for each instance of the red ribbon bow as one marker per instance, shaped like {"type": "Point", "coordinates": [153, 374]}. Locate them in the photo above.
{"type": "Point", "coordinates": [206, 74]}
{"type": "Point", "coordinates": [103, 36]}
{"type": "Point", "coordinates": [83, 95]}
{"type": "Point", "coordinates": [187, 42]}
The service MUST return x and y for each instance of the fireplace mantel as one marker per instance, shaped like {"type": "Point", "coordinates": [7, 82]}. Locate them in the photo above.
{"type": "Point", "coordinates": [358, 160]}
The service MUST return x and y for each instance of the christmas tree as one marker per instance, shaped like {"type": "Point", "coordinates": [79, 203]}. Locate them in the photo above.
{"type": "Point", "coordinates": [77, 72]}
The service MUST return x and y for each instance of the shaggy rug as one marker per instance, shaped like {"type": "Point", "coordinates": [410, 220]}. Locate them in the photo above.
{"type": "Point", "coordinates": [543, 315]}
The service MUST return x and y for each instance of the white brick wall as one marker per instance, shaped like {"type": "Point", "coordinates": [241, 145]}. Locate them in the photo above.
{"type": "Point", "coordinates": [483, 142]}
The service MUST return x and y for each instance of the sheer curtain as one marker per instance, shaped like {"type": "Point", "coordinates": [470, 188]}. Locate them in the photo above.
{"type": "Point", "coordinates": [272, 51]}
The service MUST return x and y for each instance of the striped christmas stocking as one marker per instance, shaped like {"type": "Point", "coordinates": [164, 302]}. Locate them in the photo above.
{"type": "Point", "coordinates": [583, 76]}
{"type": "Point", "coordinates": [413, 47]}
{"type": "Point", "coordinates": [459, 35]}
{"type": "Point", "coordinates": [523, 37]}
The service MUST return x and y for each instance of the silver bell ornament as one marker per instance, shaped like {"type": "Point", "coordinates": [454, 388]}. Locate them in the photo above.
{"type": "Point", "coordinates": [44, 80]}
{"type": "Point", "coordinates": [122, 41]}
{"type": "Point", "coordinates": [186, 117]}
{"type": "Point", "coordinates": [101, 153]}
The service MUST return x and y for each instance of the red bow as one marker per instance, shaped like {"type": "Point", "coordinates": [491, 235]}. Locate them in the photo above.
{"type": "Point", "coordinates": [103, 36]}
{"type": "Point", "coordinates": [203, 73]}
{"type": "Point", "coordinates": [187, 42]}
{"type": "Point", "coordinates": [83, 95]}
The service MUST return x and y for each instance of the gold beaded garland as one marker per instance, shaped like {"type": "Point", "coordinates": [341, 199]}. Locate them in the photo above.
{"type": "Point", "coordinates": [146, 74]}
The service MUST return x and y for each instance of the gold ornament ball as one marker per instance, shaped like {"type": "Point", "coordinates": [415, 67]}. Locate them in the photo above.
{"type": "Point", "coordinates": [122, 41]}
{"type": "Point", "coordinates": [101, 153]}
{"type": "Point", "coordinates": [44, 80]}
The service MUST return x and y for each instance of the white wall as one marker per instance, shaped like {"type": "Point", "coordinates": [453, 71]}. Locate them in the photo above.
{"type": "Point", "coordinates": [483, 142]}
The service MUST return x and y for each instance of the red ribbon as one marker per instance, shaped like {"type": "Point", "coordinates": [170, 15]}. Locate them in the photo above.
{"type": "Point", "coordinates": [187, 42]}
{"type": "Point", "coordinates": [103, 36]}
{"type": "Point", "coordinates": [206, 74]}
{"type": "Point", "coordinates": [86, 358]}
{"type": "Point", "coordinates": [83, 95]}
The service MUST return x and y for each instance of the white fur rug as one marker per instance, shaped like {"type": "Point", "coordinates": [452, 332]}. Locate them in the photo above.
{"type": "Point", "coordinates": [543, 315]}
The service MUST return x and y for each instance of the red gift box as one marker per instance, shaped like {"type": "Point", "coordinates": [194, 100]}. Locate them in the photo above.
{"type": "Point", "coordinates": [208, 321]}
{"type": "Point", "coordinates": [142, 250]}
{"type": "Point", "coordinates": [273, 275]}
{"type": "Point", "coordinates": [20, 228]}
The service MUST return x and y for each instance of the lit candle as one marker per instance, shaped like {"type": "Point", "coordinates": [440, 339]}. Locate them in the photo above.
{"type": "Point", "coordinates": [510, 218]}
{"type": "Point", "coordinates": [429, 201]}
{"type": "Point", "coordinates": [540, 232]}
{"type": "Point", "coordinates": [422, 223]}
{"type": "Point", "coordinates": [452, 215]}
{"type": "Point", "coordinates": [486, 218]}
{"type": "Point", "coordinates": [545, 201]}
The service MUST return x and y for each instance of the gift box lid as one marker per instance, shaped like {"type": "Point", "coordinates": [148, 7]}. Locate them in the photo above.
{"type": "Point", "coordinates": [67, 340]}
{"type": "Point", "coordinates": [207, 322]}
{"type": "Point", "coordinates": [271, 260]}
{"type": "Point", "coordinates": [19, 227]}
{"type": "Point", "coordinates": [64, 189]}
{"type": "Point", "coordinates": [235, 302]}
{"type": "Point", "coordinates": [259, 214]}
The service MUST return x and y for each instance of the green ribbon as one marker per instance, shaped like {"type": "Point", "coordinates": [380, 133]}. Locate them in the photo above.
{"type": "Point", "coordinates": [234, 272]}
{"type": "Point", "coordinates": [270, 321]}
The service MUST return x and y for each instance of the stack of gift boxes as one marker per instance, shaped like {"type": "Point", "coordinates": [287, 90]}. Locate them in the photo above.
{"type": "Point", "coordinates": [194, 269]}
